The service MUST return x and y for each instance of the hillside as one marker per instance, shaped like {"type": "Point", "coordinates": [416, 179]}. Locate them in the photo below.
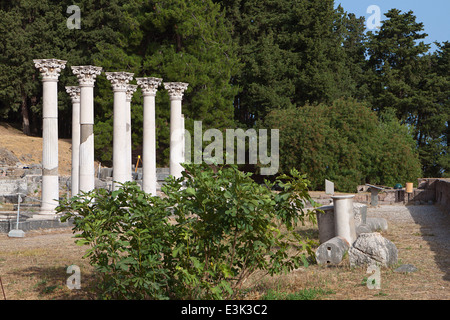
{"type": "Point", "coordinates": [28, 150]}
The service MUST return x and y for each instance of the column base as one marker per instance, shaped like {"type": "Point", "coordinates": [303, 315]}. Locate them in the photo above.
{"type": "Point", "coordinates": [46, 215]}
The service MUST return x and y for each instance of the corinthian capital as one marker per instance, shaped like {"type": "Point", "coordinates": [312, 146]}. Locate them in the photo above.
{"type": "Point", "coordinates": [175, 89]}
{"type": "Point", "coordinates": [119, 80]}
{"type": "Point", "coordinates": [86, 74]}
{"type": "Point", "coordinates": [131, 89]}
{"type": "Point", "coordinates": [149, 86]}
{"type": "Point", "coordinates": [74, 92]}
{"type": "Point", "coordinates": [49, 68]}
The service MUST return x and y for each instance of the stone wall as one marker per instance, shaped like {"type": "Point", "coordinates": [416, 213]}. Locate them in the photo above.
{"type": "Point", "coordinates": [442, 187]}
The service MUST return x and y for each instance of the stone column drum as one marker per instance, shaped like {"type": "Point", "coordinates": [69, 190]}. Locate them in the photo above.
{"type": "Point", "coordinates": [176, 90]}
{"type": "Point", "coordinates": [119, 83]}
{"type": "Point", "coordinates": [86, 77]}
{"type": "Point", "coordinates": [131, 89]}
{"type": "Point", "coordinates": [344, 221]}
{"type": "Point", "coordinates": [325, 222]}
{"type": "Point", "coordinates": [149, 87]}
{"type": "Point", "coordinates": [50, 70]}
{"type": "Point", "coordinates": [74, 93]}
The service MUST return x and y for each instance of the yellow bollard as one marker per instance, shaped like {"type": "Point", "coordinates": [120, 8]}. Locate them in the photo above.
{"type": "Point", "coordinates": [409, 187]}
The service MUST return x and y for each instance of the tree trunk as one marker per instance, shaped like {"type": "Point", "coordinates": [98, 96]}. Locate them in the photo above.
{"type": "Point", "coordinates": [25, 116]}
{"type": "Point", "coordinates": [35, 121]}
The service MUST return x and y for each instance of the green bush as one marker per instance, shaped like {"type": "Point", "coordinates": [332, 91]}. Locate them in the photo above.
{"type": "Point", "coordinates": [345, 142]}
{"type": "Point", "coordinates": [202, 239]}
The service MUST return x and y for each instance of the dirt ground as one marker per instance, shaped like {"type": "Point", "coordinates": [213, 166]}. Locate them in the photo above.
{"type": "Point", "coordinates": [422, 237]}
{"type": "Point", "coordinates": [28, 150]}
{"type": "Point", "coordinates": [35, 267]}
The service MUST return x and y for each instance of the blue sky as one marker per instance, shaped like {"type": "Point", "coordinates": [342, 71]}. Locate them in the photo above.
{"type": "Point", "coordinates": [434, 14]}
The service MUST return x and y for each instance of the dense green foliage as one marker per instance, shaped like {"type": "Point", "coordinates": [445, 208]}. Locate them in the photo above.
{"type": "Point", "coordinates": [244, 61]}
{"type": "Point", "coordinates": [415, 84]}
{"type": "Point", "coordinates": [346, 143]}
{"type": "Point", "coordinates": [201, 240]}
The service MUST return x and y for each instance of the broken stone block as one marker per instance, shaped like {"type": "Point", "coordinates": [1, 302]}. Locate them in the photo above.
{"type": "Point", "coordinates": [372, 248]}
{"type": "Point", "coordinates": [362, 228]}
{"type": "Point", "coordinates": [377, 224]}
{"type": "Point", "coordinates": [325, 222]}
{"type": "Point", "coordinates": [332, 251]}
{"type": "Point", "coordinates": [360, 212]}
{"type": "Point", "coordinates": [329, 187]}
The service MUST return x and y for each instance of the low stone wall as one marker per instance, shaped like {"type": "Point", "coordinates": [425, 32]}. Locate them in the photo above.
{"type": "Point", "coordinates": [8, 222]}
{"type": "Point", "coordinates": [442, 187]}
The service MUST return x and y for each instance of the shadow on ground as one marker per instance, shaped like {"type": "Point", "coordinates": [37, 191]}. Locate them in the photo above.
{"type": "Point", "coordinates": [52, 283]}
{"type": "Point", "coordinates": [435, 229]}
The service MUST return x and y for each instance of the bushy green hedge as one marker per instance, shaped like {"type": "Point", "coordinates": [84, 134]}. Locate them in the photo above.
{"type": "Point", "coordinates": [201, 240]}
{"type": "Point", "coordinates": [345, 142]}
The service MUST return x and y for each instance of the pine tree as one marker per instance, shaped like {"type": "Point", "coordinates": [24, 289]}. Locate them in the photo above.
{"type": "Point", "coordinates": [30, 30]}
{"type": "Point", "coordinates": [405, 77]}
{"type": "Point", "coordinates": [178, 41]}
{"type": "Point", "coordinates": [355, 47]}
{"type": "Point", "coordinates": [291, 53]}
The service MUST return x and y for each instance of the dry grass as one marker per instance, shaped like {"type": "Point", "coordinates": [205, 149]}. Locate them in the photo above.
{"type": "Point", "coordinates": [35, 267]}
{"type": "Point", "coordinates": [29, 149]}
{"type": "Point", "coordinates": [416, 245]}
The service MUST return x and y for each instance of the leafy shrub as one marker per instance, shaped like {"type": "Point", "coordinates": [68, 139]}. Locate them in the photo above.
{"type": "Point", "coordinates": [345, 142]}
{"type": "Point", "coordinates": [202, 239]}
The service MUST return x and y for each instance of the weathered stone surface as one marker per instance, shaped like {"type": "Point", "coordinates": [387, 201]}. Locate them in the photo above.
{"type": "Point", "coordinates": [406, 268]}
{"type": "Point", "coordinates": [7, 158]}
{"type": "Point", "coordinates": [325, 222]}
{"type": "Point", "coordinates": [362, 228]}
{"type": "Point", "coordinates": [360, 212]}
{"type": "Point", "coordinates": [329, 187]}
{"type": "Point", "coordinates": [377, 224]}
{"type": "Point", "coordinates": [373, 248]}
{"type": "Point", "coordinates": [332, 251]}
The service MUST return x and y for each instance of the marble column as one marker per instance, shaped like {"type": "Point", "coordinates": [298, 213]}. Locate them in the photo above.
{"type": "Point", "coordinates": [131, 89]}
{"type": "Point", "coordinates": [86, 77]}
{"type": "Point", "coordinates": [50, 70]}
{"type": "Point", "coordinates": [176, 90]}
{"type": "Point", "coordinates": [119, 83]}
{"type": "Point", "coordinates": [74, 92]}
{"type": "Point", "coordinates": [344, 220]}
{"type": "Point", "coordinates": [149, 87]}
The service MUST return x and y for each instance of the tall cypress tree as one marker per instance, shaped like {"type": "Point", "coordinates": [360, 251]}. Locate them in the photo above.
{"type": "Point", "coordinates": [406, 78]}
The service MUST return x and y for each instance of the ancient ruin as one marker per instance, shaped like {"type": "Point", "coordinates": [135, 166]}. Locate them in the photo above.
{"type": "Point", "coordinates": [344, 228]}
{"type": "Point", "coordinates": [50, 70]}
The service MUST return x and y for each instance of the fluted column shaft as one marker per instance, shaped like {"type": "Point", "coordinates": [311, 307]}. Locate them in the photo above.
{"type": "Point", "coordinates": [86, 77]}
{"type": "Point", "coordinates": [176, 90]}
{"type": "Point", "coordinates": [131, 89]}
{"type": "Point", "coordinates": [74, 93]}
{"type": "Point", "coordinates": [149, 87]}
{"type": "Point", "coordinates": [119, 83]}
{"type": "Point", "coordinates": [49, 69]}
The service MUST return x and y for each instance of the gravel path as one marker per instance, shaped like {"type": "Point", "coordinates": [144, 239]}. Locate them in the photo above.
{"type": "Point", "coordinates": [427, 216]}
{"type": "Point", "coordinates": [428, 223]}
